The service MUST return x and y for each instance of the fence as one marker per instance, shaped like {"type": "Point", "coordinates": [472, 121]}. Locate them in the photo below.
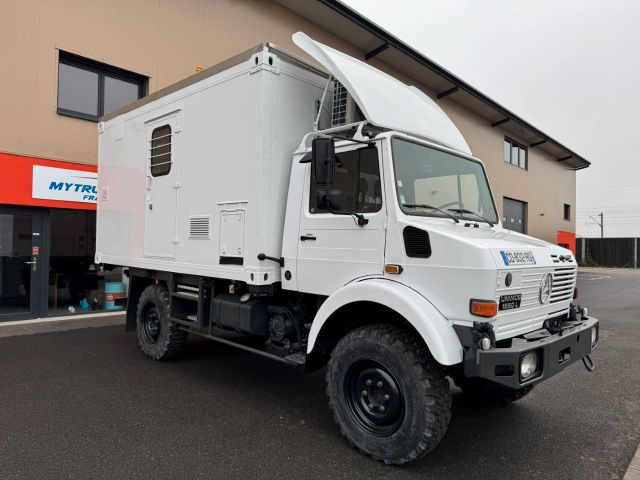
{"type": "Point", "coordinates": [608, 252]}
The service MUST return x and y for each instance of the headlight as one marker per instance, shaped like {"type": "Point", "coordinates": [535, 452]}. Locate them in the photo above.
{"type": "Point", "coordinates": [528, 365]}
{"type": "Point", "coordinates": [594, 336]}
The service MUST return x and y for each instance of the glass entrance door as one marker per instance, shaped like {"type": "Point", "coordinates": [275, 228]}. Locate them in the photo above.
{"type": "Point", "coordinates": [21, 271]}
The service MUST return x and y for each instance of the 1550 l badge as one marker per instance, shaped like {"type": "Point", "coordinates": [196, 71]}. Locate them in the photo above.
{"type": "Point", "coordinates": [509, 302]}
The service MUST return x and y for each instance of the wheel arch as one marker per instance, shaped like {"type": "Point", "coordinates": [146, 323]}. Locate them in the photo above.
{"type": "Point", "coordinates": [380, 301]}
{"type": "Point", "coordinates": [139, 279]}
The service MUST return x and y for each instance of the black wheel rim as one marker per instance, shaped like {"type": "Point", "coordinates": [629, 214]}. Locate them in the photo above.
{"type": "Point", "coordinates": [374, 397]}
{"type": "Point", "coordinates": [151, 324]}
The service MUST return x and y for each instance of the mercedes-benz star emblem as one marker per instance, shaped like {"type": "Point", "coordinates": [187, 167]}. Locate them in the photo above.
{"type": "Point", "coordinates": [546, 285]}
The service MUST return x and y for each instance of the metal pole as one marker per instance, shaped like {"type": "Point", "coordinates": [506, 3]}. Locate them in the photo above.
{"type": "Point", "coordinates": [316, 122]}
{"type": "Point", "coordinates": [601, 224]}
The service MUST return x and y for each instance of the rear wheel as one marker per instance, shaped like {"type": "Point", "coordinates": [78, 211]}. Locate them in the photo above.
{"type": "Point", "coordinates": [389, 396]}
{"type": "Point", "coordinates": [158, 336]}
{"type": "Point", "coordinates": [490, 393]}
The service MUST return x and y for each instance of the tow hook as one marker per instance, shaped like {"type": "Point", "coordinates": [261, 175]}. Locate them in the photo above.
{"type": "Point", "coordinates": [588, 363]}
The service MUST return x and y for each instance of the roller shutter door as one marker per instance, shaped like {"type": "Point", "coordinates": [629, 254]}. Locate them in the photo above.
{"type": "Point", "coordinates": [513, 215]}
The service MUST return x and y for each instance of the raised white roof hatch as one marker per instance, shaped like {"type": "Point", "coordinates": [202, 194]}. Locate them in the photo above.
{"type": "Point", "coordinates": [385, 100]}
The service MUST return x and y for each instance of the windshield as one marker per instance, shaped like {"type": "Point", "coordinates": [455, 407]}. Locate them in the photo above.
{"type": "Point", "coordinates": [426, 177]}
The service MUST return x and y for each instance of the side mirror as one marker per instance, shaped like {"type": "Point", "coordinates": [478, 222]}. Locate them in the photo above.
{"type": "Point", "coordinates": [329, 200]}
{"type": "Point", "coordinates": [323, 160]}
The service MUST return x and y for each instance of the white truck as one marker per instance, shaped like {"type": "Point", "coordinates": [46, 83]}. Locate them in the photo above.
{"type": "Point", "coordinates": [340, 219]}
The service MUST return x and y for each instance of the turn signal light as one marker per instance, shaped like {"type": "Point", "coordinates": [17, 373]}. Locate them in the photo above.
{"type": "Point", "coordinates": [391, 268]}
{"type": "Point", "coordinates": [484, 308]}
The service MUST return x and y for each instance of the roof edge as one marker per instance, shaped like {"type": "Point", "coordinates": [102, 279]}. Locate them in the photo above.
{"type": "Point", "coordinates": [393, 41]}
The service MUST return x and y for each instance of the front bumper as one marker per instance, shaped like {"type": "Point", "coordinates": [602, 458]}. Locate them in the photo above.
{"type": "Point", "coordinates": [555, 351]}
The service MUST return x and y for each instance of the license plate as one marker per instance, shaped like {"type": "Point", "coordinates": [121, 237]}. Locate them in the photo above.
{"type": "Point", "coordinates": [509, 302]}
{"type": "Point", "coordinates": [517, 258]}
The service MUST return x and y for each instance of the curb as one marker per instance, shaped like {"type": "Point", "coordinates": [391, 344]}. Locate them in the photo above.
{"type": "Point", "coordinates": [59, 324]}
{"type": "Point", "coordinates": [61, 318]}
{"type": "Point", "coordinates": [633, 471]}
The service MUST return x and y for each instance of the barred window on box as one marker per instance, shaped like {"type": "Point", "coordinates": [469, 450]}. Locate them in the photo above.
{"type": "Point", "coordinates": [89, 89]}
{"type": "Point", "coordinates": [515, 153]}
{"type": "Point", "coordinates": [160, 151]}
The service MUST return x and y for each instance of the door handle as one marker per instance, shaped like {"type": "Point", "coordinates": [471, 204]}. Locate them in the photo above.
{"type": "Point", "coordinates": [34, 262]}
{"type": "Point", "coordinates": [307, 237]}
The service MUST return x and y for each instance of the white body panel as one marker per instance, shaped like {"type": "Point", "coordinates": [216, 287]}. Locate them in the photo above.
{"type": "Point", "coordinates": [417, 310]}
{"type": "Point", "coordinates": [233, 135]}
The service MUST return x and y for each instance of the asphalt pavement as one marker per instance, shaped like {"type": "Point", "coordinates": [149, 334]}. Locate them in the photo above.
{"type": "Point", "coordinates": [85, 403]}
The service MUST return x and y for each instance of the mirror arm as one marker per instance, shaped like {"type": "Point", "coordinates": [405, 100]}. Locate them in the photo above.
{"type": "Point", "coordinates": [361, 219]}
{"type": "Point", "coordinates": [367, 143]}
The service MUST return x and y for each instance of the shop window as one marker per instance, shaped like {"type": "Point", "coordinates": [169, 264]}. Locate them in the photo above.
{"type": "Point", "coordinates": [357, 187]}
{"type": "Point", "coordinates": [515, 153]}
{"type": "Point", "coordinates": [160, 151]}
{"type": "Point", "coordinates": [89, 90]}
{"type": "Point", "coordinates": [76, 284]}
{"type": "Point", "coordinates": [567, 211]}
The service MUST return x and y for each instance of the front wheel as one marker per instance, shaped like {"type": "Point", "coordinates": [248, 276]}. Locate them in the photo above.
{"type": "Point", "coordinates": [389, 396]}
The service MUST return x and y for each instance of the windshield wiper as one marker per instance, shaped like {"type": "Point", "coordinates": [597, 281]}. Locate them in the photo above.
{"type": "Point", "coordinates": [430, 207]}
{"type": "Point", "coordinates": [464, 210]}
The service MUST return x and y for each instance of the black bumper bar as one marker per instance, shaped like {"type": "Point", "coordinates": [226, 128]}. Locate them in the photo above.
{"type": "Point", "coordinates": [555, 351]}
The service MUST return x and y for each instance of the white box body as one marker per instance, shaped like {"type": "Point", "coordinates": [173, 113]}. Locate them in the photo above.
{"type": "Point", "coordinates": [223, 200]}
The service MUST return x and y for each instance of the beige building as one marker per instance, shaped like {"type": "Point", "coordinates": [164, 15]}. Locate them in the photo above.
{"type": "Point", "coordinates": [65, 63]}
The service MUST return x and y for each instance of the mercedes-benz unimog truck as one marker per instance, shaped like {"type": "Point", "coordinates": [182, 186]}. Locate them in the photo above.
{"type": "Point", "coordinates": [337, 217]}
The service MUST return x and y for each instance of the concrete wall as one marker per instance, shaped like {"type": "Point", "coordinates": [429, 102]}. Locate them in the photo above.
{"type": "Point", "coordinates": [164, 40]}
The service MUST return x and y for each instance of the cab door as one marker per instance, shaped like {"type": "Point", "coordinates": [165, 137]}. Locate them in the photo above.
{"type": "Point", "coordinates": [332, 248]}
{"type": "Point", "coordinates": [161, 188]}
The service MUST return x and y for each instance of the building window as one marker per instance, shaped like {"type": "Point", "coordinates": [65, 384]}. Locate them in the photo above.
{"type": "Point", "coordinates": [567, 211]}
{"type": "Point", "coordinates": [89, 90]}
{"type": "Point", "coordinates": [160, 151]}
{"type": "Point", "coordinates": [515, 153]}
{"type": "Point", "coordinates": [357, 186]}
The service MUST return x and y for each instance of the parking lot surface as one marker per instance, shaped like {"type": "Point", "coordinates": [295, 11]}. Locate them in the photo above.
{"type": "Point", "coordinates": [85, 403]}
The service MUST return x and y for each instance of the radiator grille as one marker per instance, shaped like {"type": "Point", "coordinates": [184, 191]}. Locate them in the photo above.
{"type": "Point", "coordinates": [200, 226]}
{"type": "Point", "coordinates": [564, 282]}
{"type": "Point", "coordinates": [531, 314]}
{"type": "Point", "coordinates": [416, 243]}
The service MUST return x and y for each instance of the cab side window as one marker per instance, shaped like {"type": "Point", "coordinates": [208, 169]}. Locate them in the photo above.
{"type": "Point", "coordinates": [357, 187]}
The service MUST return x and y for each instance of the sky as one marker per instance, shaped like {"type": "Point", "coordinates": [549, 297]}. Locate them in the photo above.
{"type": "Point", "coordinates": [569, 67]}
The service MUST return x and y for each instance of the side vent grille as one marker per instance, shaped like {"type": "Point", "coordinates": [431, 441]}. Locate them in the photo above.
{"type": "Point", "coordinates": [200, 226]}
{"type": "Point", "coordinates": [339, 108]}
{"type": "Point", "coordinates": [416, 243]}
{"type": "Point", "coordinates": [344, 108]}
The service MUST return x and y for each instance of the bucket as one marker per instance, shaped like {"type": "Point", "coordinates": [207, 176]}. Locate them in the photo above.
{"type": "Point", "coordinates": [112, 292]}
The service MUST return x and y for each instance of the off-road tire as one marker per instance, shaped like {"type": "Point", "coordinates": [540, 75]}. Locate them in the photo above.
{"type": "Point", "coordinates": [170, 339]}
{"type": "Point", "coordinates": [487, 392]}
{"type": "Point", "coordinates": [420, 379]}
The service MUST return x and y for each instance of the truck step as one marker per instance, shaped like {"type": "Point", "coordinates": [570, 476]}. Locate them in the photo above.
{"type": "Point", "coordinates": [294, 359]}
{"type": "Point", "coordinates": [186, 295]}
{"type": "Point", "coordinates": [297, 357]}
